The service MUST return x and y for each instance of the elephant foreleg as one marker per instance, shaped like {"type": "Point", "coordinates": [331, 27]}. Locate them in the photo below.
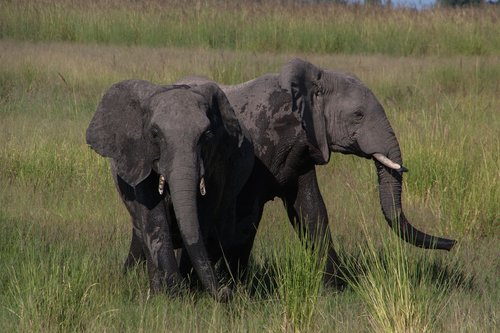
{"type": "Point", "coordinates": [157, 238]}
{"type": "Point", "coordinates": [136, 253]}
{"type": "Point", "coordinates": [307, 213]}
{"type": "Point", "coordinates": [157, 243]}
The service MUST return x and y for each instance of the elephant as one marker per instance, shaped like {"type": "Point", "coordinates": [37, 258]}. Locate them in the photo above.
{"type": "Point", "coordinates": [296, 119]}
{"type": "Point", "coordinates": [179, 158]}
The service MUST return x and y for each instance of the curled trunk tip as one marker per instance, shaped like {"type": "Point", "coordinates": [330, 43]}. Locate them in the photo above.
{"type": "Point", "coordinates": [390, 185]}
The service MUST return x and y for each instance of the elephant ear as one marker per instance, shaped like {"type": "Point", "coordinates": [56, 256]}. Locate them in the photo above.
{"type": "Point", "coordinates": [239, 151]}
{"type": "Point", "coordinates": [219, 105]}
{"type": "Point", "coordinates": [301, 79]}
{"type": "Point", "coordinates": [116, 130]}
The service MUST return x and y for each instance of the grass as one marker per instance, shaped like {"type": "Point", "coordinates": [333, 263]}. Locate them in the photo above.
{"type": "Point", "coordinates": [400, 295]}
{"type": "Point", "coordinates": [299, 277]}
{"type": "Point", "coordinates": [259, 27]}
{"type": "Point", "coordinates": [64, 233]}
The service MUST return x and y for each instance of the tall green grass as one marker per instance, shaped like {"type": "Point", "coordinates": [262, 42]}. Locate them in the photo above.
{"type": "Point", "coordinates": [401, 295]}
{"type": "Point", "coordinates": [269, 26]}
{"type": "Point", "coordinates": [299, 276]}
{"type": "Point", "coordinates": [64, 232]}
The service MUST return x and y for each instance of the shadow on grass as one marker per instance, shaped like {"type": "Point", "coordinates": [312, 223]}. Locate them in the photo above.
{"type": "Point", "coordinates": [421, 269]}
{"type": "Point", "coordinates": [262, 281]}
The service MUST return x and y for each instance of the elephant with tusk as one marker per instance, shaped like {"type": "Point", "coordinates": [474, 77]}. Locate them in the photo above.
{"type": "Point", "coordinates": [179, 157]}
{"type": "Point", "coordinates": [296, 119]}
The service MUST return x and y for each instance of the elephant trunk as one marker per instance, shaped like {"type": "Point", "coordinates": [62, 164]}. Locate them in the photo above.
{"type": "Point", "coordinates": [390, 185]}
{"type": "Point", "coordinates": [182, 175]}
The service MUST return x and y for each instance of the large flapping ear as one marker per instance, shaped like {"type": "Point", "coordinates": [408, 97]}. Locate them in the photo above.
{"type": "Point", "coordinates": [219, 104]}
{"type": "Point", "coordinates": [116, 130]}
{"type": "Point", "coordinates": [301, 79]}
{"type": "Point", "coordinates": [240, 151]}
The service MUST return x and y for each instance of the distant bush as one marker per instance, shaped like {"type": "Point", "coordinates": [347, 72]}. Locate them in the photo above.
{"type": "Point", "coordinates": [459, 3]}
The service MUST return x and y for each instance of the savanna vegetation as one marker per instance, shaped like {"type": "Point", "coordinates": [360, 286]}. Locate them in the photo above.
{"type": "Point", "coordinates": [64, 233]}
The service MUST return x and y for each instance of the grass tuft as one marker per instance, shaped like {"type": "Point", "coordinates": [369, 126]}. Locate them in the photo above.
{"type": "Point", "coordinates": [299, 277]}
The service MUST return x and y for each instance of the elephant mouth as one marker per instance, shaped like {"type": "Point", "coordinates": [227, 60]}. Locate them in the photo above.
{"type": "Point", "coordinates": [341, 149]}
{"type": "Point", "coordinates": [349, 151]}
{"type": "Point", "coordinates": [383, 159]}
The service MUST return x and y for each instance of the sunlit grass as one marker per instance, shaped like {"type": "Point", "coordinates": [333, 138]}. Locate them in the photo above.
{"type": "Point", "coordinates": [64, 233]}
{"type": "Point", "coordinates": [257, 26]}
{"type": "Point", "coordinates": [402, 292]}
{"type": "Point", "coordinates": [299, 276]}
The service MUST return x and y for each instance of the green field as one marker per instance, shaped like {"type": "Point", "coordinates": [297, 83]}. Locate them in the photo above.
{"type": "Point", "coordinates": [64, 233]}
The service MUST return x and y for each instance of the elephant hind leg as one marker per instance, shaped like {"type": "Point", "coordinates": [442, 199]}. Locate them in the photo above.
{"type": "Point", "coordinates": [249, 209]}
{"type": "Point", "coordinates": [235, 261]}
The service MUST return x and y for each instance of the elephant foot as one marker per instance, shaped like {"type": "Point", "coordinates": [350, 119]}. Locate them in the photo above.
{"type": "Point", "coordinates": [155, 285]}
{"type": "Point", "coordinates": [338, 284]}
{"type": "Point", "coordinates": [173, 280]}
{"type": "Point", "coordinates": [131, 262]}
{"type": "Point", "coordinates": [172, 285]}
{"type": "Point", "coordinates": [335, 281]}
{"type": "Point", "coordinates": [174, 290]}
{"type": "Point", "coordinates": [224, 294]}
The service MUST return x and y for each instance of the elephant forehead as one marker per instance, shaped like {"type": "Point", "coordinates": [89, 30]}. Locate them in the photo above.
{"type": "Point", "coordinates": [179, 108]}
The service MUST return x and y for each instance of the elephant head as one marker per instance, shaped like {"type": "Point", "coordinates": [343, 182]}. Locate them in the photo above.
{"type": "Point", "coordinates": [340, 114]}
{"type": "Point", "coordinates": [175, 131]}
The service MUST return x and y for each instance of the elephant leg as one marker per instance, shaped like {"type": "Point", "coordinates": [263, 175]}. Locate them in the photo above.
{"type": "Point", "coordinates": [187, 270]}
{"type": "Point", "coordinates": [236, 259]}
{"type": "Point", "coordinates": [154, 274]}
{"type": "Point", "coordinates": [159, 244]}
{"type": "Point", "coordinates": [237, 256]}
{"type": "Point", "coordinates": [136, 253]}
{"type": "Point", "coordinates": [249, 210]}
{"type": "Point", "coordinates": [307, 213]}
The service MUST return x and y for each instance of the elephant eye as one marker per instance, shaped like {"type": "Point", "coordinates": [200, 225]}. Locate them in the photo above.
{"type": "Point", "coordinates": [207, 136]}
{"type": "Point", "coordinates": [358, 115]}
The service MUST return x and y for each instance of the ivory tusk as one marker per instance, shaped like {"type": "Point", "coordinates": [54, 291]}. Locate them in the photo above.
{"type": "Point", "coordinates": [388, 163]}
{"type": "Point", "coordinates": [203, 190]}
{"type": "Point", "coordinates": [161, 185]}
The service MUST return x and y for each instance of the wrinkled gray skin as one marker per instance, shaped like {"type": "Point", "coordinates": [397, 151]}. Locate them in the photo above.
{"type": "Point", "coordinates": [296, 119]}
{"type": "Point", "coordinates": [185, 134]}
